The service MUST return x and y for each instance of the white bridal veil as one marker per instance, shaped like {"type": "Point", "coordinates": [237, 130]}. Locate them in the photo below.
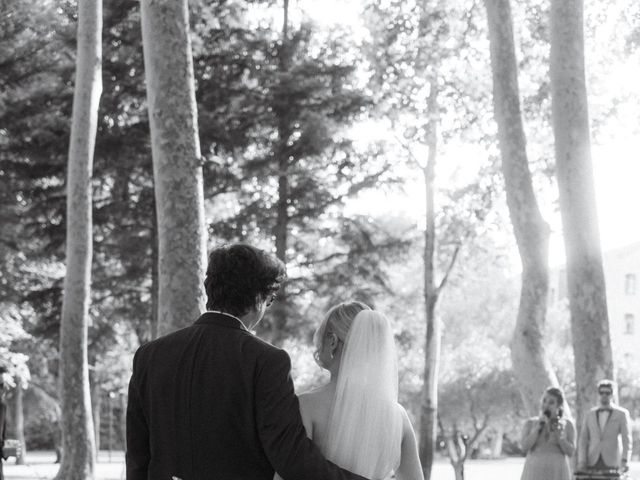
{"type": "Point", "coordinates": [365, 426]}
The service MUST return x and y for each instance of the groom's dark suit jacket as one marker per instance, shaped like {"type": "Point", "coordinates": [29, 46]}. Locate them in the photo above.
{"type": "Point", "coordinates": [212, 401]}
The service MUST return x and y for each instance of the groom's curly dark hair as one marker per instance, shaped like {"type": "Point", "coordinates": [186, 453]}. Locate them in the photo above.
{"type": "Point", "coordinates": [239, 275]}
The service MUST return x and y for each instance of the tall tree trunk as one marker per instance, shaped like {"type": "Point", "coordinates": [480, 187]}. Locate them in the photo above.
{"type": "Point", "coordinates": [153, 330]}
{"type": "Point", "coordinates": [19, 421]}
{"type": "Point", "coordinates": [429, 397]}
{"type": "Point", "coordinates": [278, 323]}
{"type": "Point", "coordinates": [530, 363]}
{"type": "Point", "coordinates": [177, 164]}
{"type": "Point", "coordinates": [585, 277]}
{"type": "Point", "coordinates": [96, 398]}
{"type": "Point", "coordinates": [279, 309]}
{"type": "Point", "coordinates": [78, 441]}
{"type": "Point", "coordinates": [123, 420]}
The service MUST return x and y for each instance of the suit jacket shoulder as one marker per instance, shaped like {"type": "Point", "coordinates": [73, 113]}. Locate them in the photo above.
{"type": "Point", "coordinates": [620, 409]}
{"type": "Point", "coordinates": [178, 337]}
{"type": "Point", "coordinates": [263, 346]}
{"type": "Point", "coordinates": [170, 343]}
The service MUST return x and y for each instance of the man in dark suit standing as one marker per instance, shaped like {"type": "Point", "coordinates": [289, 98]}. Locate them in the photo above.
{"type": "Point", "coordinates": [212, 401]}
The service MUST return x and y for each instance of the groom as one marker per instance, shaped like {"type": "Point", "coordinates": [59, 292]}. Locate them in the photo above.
{"type": "Point", "coordinates": [212, 401]}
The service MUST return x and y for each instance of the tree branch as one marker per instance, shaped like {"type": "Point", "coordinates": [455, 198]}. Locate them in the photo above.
{"type": "Point", "coordinates": [407, 148]}
{"type": "Point", "coordinates": [480, 430]}
{"type": "Point", "coordinates": [452, 262]}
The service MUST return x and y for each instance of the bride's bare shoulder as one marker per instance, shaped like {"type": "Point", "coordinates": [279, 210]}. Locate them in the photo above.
{"type": "Point", "coordinates": [318, 394]}
{"type": "Point", "coordinates": [314, 408]}
{"type": "Point", "coordinates": [317, 400]}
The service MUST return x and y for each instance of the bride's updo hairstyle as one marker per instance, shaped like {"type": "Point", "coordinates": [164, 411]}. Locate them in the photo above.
{"type": "Point", "coordinates": [337, 320]}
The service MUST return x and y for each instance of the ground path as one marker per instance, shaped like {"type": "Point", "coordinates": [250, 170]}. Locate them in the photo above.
{"type": "Point", "coordinates": [111, 467]}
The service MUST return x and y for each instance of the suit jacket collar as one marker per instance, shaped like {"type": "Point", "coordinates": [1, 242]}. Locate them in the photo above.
{"type": "Point", "coordinates": [221, 319]}
{"type": "Point", "coordinates": [613, 410]}
{"type": "Point", "coordinates": [594, 416]}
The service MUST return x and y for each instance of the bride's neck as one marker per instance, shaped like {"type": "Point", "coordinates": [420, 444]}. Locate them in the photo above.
{"type": "Point", "coordinates": [334, 370]}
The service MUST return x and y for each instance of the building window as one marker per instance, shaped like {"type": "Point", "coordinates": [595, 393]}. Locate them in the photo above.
{"type": "Point", "coordinates": [630, 284]}
{"type": "Point", "coordinates": [629, 322]}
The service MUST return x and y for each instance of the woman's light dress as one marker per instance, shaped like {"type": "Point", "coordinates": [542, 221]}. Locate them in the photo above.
{"type": "Point", "coordinates": [545, 459]}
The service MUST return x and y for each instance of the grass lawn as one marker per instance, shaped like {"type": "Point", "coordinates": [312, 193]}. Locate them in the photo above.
{"type": "Point", "coordinates": [40, 466]}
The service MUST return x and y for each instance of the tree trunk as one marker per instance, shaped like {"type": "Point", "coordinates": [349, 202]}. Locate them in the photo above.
{"type": "Point", "coordinates": [19, 421]}
{"type": "Point", "coordinates": [457, 453]}
{"type": "Point", "coordinates": [176, 162]}
{"type": "Point", "coordinates": [123, 419]}
{"type": "Point", "coordinates": [97, 409]}
{"type": "Point", "coordinates": [530, 363]}
{"type": "Point", "coordinates": [429, 398]}
{"type": "Point", "coordinates": [78, 441]}
{"type": "Point", "coordinates": [585, 277]}
{"type": "Point", "coordinates": [458, 470]}
{"type": "Point", "coordinates": [279, 311]}
{"type": "Point", "coordinates": [496, 443]}
{"type": "Point", "coordinates": [153, 330]}
{"type": "Point", "coordinates": [278, 323]}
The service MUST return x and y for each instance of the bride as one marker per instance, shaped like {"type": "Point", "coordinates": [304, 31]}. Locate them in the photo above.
{"type": "Point", "coordinates": [356, 419]}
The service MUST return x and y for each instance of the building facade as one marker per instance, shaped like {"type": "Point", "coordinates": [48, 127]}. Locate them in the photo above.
{"type": "Point", "coordinates": [622, 278]}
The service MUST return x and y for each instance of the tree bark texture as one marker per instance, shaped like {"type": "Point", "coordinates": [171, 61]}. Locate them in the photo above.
{"type": "Point", "coordinates": [78, 441]}
{"type": "Point", "coordinates": [96, 403]}
{"type": "Point", "coordinates": [585, 277]}
{"type": "Point", "coordinates": [531, 366]}
{"type": "Point", "coordinates": [279, 309]}
{"type": "Point", "coordinates": [19, 421]}
{"type": "Point", "coordinates": [429, 397]}
{"type": "Point", "coordinates": [123, 419]}
{"type": "Point", "coordinates": [278, 321]}
{"type": "Point", "coordinates": [458, 470]}
{"type": "Point", "coordinates": [177, 166]}
{"type": "Point", "coordinates": [497, 442]}
{"type": "Point", "coordinates": [457, 451]}
{"type": "Point", "coordinates": [153, 319]}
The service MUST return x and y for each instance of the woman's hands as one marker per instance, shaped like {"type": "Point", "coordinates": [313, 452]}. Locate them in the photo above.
{"type": "Point", "coordinates": [558, 432]}
{"type": "Point", "coordinates": [543, 420]}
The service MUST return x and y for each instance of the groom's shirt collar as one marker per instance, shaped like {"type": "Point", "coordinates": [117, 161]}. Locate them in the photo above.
{"type": "Point", "coordinates": [221, 319]}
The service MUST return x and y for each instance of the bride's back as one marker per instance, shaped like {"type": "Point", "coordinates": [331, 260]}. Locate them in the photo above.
{"type": "Point", "coordinates": [316, 407]}
{"type": "Point", "coordinates": [356, 419]}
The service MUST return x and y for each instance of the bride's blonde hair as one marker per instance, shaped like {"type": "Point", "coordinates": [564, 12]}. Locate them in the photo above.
{"type": "Point", "coordinates": [337, 320]}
